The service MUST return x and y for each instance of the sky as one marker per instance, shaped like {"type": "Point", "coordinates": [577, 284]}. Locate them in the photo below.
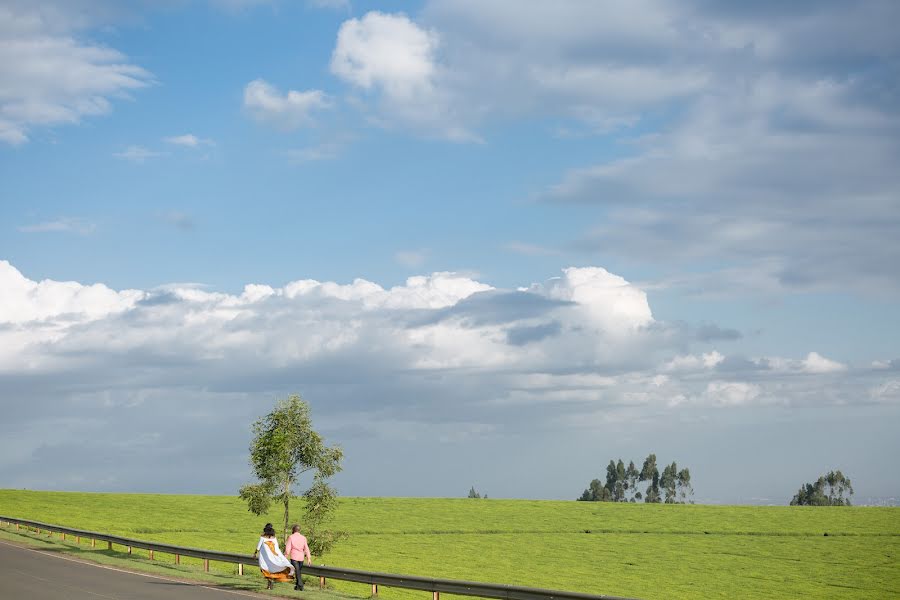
{"type": "Point", "coordinates": [492, 243]}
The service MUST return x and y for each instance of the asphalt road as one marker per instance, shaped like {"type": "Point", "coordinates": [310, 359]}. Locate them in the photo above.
{"type": "Point", "coordinates": [39, 575]}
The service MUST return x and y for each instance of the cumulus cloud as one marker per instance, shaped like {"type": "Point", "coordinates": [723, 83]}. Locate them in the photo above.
{"type": "Point", "coordinates": [609, 300]}
{"type": "Point", "coordinates": [49, 76]}
{"type": "Point", "coordinates": [396, 59]}
{"type": "Point", "coordinates": [385, 51]}
{"type": "Point", "coordinates": [30, 301]}
{"type": "Point", "coordinates": [443, 357]}
{"type": "Point", "coordinates": [283, 111]}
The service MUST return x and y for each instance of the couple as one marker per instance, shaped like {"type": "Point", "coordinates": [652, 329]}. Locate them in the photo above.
{"type": "Point", "coordinates": [274, 565]}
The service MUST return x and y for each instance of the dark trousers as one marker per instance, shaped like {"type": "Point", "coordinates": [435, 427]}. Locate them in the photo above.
{"type": "Point", "coordinates": [298, 565]}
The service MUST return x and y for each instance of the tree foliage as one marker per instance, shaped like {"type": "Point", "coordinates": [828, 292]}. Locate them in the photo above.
{"type": "Point", "coordinates": [622, 483]}
{"type": "Point", "coordinates": [284, 447]}
{"type": "Point", "coordinates": [827, 490]}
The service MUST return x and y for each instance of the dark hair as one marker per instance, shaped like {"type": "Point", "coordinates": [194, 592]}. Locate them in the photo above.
{"type": "Point", "coordinates": [268, 530]}
{"type": "Point", "coordinates": [295, 528]}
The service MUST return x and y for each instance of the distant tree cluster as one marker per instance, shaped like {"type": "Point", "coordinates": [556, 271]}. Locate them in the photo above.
{"type": "Point", "coordinates": [828, 490]}
{"type": "Point", "coordinates": [672, 487]}
{"type": "Point", "coordinates": [474, 494]}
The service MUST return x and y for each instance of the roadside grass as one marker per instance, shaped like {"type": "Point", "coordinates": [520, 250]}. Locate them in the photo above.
{"type": "Point", "coordinates": [641, 551]}
{"type": "Point", "coordinates": [139, 562]}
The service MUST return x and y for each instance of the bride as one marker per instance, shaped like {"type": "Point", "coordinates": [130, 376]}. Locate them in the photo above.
{"type": "Point", "coordinates": [272, 563]}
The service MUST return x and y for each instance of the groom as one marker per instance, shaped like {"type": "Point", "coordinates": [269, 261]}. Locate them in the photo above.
{"type": "Point", "coordinates": [296, 548]}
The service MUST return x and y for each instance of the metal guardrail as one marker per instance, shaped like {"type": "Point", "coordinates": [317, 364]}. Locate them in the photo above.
{"type": "Point", "coordinates": [414, 582]}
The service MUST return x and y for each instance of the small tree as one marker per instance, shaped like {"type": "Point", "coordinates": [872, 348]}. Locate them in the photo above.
{"type": "Point", "coordinates": [284, 447]}
{"type": "Point", "coordinates": [611, 477]}
{"type": "Point", "coordinates": [828, 490]}
{"type": "Point", "coordinates": [631, 477]}
{"type": "Point", "coordinates": [473, 493]}
{"type": "Point", "coordinates": [669, 483]}
{"type": "Point", "coordinates": [621, 482]}
{"type": "Point", "coordinates": [650, 473]}
{"type": "Point", "coordinates": [596, 492]}
{"type": "Point", "coordinates": [685, 489]}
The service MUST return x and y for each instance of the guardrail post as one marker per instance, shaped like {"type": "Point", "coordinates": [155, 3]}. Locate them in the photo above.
{"type": "Point", "coordinates": [129, 549]}
{"type": "Point", "coordinates": [435, 596]}
{"type": "Point", "coordinates": [206, 564]}
{"type": "Point", "coordinates": [93, 543]}
{"type": "Point", "coordinates": [374, 589]}
{"type": "Point", "coordinates": [240, 568]}
{"type": "Point", "coordinates": [63, 534]}
{"type": "Point", "coordinates": [151, 555]}
{"type": "Point", "coordinates": [321, 582]}
{"type": "Point", "coordinates": [109, 545]}
{"type": "Point", "coordinates": [17, 526]}
{"type": "Point", "coordinates": [177, 559]}
{"type": "Point", "coordinates": [77, 539]}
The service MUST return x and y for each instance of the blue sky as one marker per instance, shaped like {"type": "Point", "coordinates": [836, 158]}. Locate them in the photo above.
{"type": "Point", "coordinates": [493, 233]}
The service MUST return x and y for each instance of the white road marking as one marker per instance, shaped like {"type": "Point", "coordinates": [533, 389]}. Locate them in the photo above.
{"type": "Point", "coordinates": [83, 562]}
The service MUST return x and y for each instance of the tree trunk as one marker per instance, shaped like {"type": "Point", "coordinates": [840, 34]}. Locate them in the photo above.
{"type": "Point", "coordinates": [287, 499]}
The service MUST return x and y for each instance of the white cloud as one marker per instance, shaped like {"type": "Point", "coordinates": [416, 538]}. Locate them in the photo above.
{"type": "Point", "coordinates": [49, 77]}
{"type": "Point", "coordinates": [386, 51]}
{"type": "Point", "coordinates": [816, 363]}
{"type": "Point", "coordinates": [441, 356]}
{"type": "Point", "coordinates": [731, 393]}
{"type": "Point", "coordinates": [138, 154]}
{"type": "Point", "coordinates": [586, 340]}
{"type": "Point", "coordinates": [693, 362]}
{"type": "Point", "coordinates": [813, 364]}
{"type": "Point", "coordinates": [439, 321]}
{"type": "Point", "coordinates": [28, 301]}
{"type": "Point", "coordinates": [608, 300]}
{"type": "Point", "coordinates": [63, 224]}
{"type": "Point", "coordinates": [284, 111]}
{"type": "Point", "coordinates": [394, 58]}
{"type": "Point", "coordinates": [189, 139]}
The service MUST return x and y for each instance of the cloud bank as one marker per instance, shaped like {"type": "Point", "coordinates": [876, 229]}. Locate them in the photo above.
{"type": "Point", "coordinates": [443, 357]}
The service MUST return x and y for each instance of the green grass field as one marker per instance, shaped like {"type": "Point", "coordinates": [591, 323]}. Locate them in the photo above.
{"type": "Point", "coordinates": [641, 551]}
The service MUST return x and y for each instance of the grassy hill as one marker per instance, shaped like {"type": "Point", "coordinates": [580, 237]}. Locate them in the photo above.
{"type": "Point", "coordinates": [642, 551]}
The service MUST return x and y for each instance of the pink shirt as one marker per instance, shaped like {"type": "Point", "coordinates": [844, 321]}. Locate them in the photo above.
{"type": "Point", "coordinates": [296, 547]}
